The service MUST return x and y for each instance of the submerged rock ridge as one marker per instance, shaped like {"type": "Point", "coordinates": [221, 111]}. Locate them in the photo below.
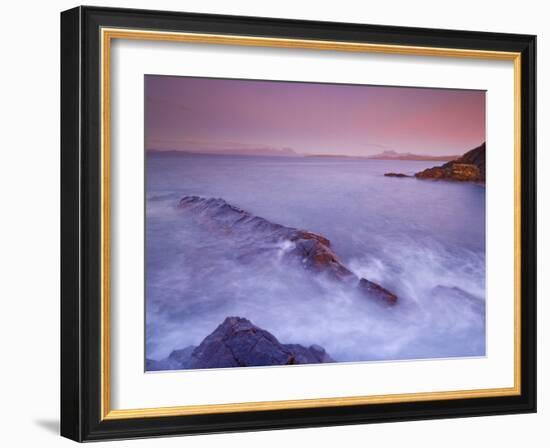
{"type": "Point", "coordinates": [470, 167]}
{"type": "Point", "coordinates": [237, 342]}
{"type": "Point", "coordinates": [313, 251]}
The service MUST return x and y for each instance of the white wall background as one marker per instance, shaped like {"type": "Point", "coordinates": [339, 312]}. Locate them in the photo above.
{"type": "Point", "coordinates": [29, 228]}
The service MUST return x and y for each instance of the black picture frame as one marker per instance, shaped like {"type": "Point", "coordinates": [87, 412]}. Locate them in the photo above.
{"type": "Point", "coordinates": [81, 224]}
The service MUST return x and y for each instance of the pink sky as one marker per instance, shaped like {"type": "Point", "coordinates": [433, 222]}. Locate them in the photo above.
{"type": "Point", "coordinates": [205, 115]}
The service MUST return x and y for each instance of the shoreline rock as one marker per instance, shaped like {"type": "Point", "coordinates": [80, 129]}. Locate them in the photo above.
{"type": "Point", "coordinates": [396, 175]}
{"type": "Point", "coordinates": [313, 251]}
{"type": "Point", "coordinates": [237, 342]}
{"type": "Point", "coordinates": [470, 167]}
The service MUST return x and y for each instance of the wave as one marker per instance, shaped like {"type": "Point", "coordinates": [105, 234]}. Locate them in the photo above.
{"type": "Point", "coordinates": [226, 261]}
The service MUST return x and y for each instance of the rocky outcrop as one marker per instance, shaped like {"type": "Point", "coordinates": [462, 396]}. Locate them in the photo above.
{"type": "Point", "coordinates": [237, 342]}
{"type": "Point", "coordinates": [312, 251]}
{"type": "Point", "coordinates": [396, 175]}
{"type": "Point", "coordinates": [468, 168]}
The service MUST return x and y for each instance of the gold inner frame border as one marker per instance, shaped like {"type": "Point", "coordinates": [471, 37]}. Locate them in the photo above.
{"type": "Point", "coordinates": [107, 35]}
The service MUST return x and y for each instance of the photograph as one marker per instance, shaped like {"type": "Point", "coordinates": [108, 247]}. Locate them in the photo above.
{"type": "Point", "coordinates": [288, 220]}
{"type": "Point", "coordinates": [292, 223]}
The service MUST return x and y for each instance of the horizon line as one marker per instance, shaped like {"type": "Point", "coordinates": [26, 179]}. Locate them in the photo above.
{"type": "Point", "coordinates": [230, 152]}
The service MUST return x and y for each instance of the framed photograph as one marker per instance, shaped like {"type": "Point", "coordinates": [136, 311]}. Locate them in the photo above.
{"type": "Point", "coordinates": [274, 223]}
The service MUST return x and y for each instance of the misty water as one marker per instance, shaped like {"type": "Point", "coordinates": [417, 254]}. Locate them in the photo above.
{"type": "Point", "coordinates": [422, 240]}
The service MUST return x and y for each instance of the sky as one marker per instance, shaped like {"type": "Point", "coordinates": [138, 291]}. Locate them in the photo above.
{"type": "Point", "coordinates": [228, 115]}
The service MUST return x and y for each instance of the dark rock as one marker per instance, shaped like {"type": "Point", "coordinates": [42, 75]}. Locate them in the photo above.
{"type": "Point", "coordinates": [237, 342]}
{"type": "Point", "coordinates": [314, 354]}
{"type": "Point", "coordinates": [396, 175]}
{"type": "Point", "coordinates": [470, 167]}
{"type": "Point", "coordinates": [376, 290]}
{"type": "Point", "coordinates": [313, 251]}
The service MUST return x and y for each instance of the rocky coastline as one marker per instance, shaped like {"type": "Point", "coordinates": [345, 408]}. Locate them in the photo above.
{"type": "Point", "coordinates": [470, 167]}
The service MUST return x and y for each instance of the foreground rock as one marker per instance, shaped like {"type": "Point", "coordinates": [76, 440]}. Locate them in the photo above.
{"type": "Point", "coordinates": [313, 251]}
{"type": "Point", "coordinates": [237, 342]}
{"type": "Point", "coordinates": [468, 168]}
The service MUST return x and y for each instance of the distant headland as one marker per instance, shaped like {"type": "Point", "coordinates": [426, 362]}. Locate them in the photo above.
{"type": "Point", "coordinates": [470, 167]}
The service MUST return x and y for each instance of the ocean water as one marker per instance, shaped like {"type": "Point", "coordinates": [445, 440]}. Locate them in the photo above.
{"type": "Point", "coordinates": [422, 240]}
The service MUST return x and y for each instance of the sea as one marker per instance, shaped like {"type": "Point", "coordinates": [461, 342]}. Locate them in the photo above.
{"type": "Point", "coordinates": [422, 240]}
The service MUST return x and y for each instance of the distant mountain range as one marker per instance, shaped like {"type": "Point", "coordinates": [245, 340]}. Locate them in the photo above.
{"type": "Point", "coordinates": [393, 155]}
{"type": "Point", "coordinates": [288, 152]}
{"type": "Point", "coordinates": [268, 152]}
